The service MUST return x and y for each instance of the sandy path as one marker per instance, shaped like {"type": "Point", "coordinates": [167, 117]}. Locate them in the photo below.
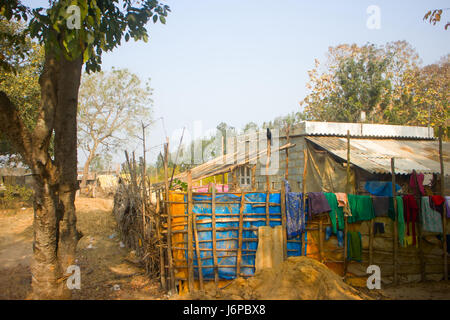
{"type": "Point", "coordinates": [105, 266]}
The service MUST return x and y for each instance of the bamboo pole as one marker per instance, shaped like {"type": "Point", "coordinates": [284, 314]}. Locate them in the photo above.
{"type": "Point", "coordinates": [321, 241]}
{"type": "Point", "coordinates": [214, 240]}
{"type": "Point", "coordinates": [283, 219]}
{"type": "Point", "coordinates": [394, 195]}
{"type": "Point", "coordinates": [305, 172]}
{"type": "Point", "coordinates": [169, 219]}
{"type": "Point", "coordinates": [371, 235]}
{"type": "Point", "coordinates": [267, 164]}
{"type": "Point", "coordinates": [254, 177]}
{"type": "Point", "coordinates": [241, 225]}
{"type": "Point", "coordinates": [267, 208]}
{"type": "Point", "coordinates": [347, 191]}
{"type": "Point", "coordinates": [161, 249]}
{"type": "Point", "coordinates": [189, 235]}
{"type": "Point", "coordinates": [286, 172]}
{"type": "Point", "coordinates": [444, 215]}
{"type": "Point", "coordinates": [197, 251]}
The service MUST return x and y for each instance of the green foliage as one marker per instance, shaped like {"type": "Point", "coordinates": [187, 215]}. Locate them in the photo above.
{"type": "Point", "coordinates": [368, 78]}
{"type": "Point", "coordinates": [177, 183]}
{"type": "Point", "coordinates": [14, 195]}
{"type": "Point", "coordinates": [103, 25]}
{"type": "Point", "coordinates": [20, 80]}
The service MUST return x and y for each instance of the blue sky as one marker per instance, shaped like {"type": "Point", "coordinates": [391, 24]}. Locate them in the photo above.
{"type": "Point", "coordinates": [247, 60]}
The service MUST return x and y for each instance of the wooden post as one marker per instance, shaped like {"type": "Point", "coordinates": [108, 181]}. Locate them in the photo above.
{"type": "Point", "coordinates": [169, 219]}
{"type": "Point", "coordinates": [254, 177]}
{"type": "Point", "coordinates": [286, 172]}
{"type": "Point", "coordinates": [371, 235]}
{"type": "Point", "coordinates": [223, 182]}
{"type": "Point", "coordinates": [241, 226]}
{"type": "Point", "coordinates": [283, 218]}
{"type": "Point", "coordinates": [162, 264]}
{"type": "Point", "coordinates": [214, 244]}
{"type": "Point", "coordinates": [197, 251]}
{"type": "Point", "coordinates": [267, 165]}
{"type": "Point", "coordinates": [394, 195]}
{"type": "Point", "coordinates": [348, 189]}
{"type": "Point", "coordinates": [305, 172]}
{"type": "Point", "coordinates": [320, 240]}
{"type": "Point", "coordinates": [267, 209]}
{"type": "Point", "coordinates": [189, 235]}
{"type": "Point", "coordinates": [444, 215]}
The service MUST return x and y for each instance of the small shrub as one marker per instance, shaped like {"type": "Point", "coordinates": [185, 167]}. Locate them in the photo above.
{"type": "Point", "coordinates": [14, 195]}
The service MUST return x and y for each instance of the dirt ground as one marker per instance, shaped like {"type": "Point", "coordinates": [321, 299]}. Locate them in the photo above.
{"type": "Point", "coordinates": [109, 271]}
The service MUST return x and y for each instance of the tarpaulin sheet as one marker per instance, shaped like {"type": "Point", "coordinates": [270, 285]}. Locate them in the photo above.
{"type": "Point", "coordinates": [228, 258]}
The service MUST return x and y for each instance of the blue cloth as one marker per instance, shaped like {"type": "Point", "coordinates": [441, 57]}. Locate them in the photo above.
{"type": "Point", "coordinates": [295, 223]}
{"type": "Point", "coordinates": [380, 188]}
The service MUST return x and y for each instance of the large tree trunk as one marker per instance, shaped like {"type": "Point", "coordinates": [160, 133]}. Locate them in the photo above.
{"type": "Point", "coordinates": [87, 164]}
{"type": "Point", "coordinates": [56, 236]}
{"type": "Point", "coordinates": [55, 233]}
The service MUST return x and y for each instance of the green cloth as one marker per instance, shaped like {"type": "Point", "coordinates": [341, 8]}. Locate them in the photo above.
{"type": "Point", "coordinates": [354, 244]}
{"type": "Point", "coordinates": [361, 207]}
{"type": "Point", "coordinates": [401, 228]}
{"type": "Point", "coordinates": [335, 211]}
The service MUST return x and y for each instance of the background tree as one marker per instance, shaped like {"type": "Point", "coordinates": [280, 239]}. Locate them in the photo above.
{"type": "Point", "coordinates": [111, 107]}
{"type": "Point", "coordinates": [368, 78]}
{"type": "Point", "coordinates": [20, 80]}
{"type": "Point", "coordinates": [68, 46]}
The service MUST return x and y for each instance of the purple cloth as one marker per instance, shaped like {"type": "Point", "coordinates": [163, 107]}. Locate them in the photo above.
{"type": "Point", "coordinates": [317, 203]}
{"type": "Point", "coordinates": [447, 204]}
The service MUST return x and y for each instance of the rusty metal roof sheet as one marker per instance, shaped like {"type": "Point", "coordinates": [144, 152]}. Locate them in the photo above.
{"type": "Point", "coordinates": [374, 155]}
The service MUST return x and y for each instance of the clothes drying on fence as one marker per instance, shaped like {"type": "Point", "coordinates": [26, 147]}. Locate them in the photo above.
{"type": "Point", "coordinates": [336, 213]}
{"type": "Point", "coordinates": [339, 235]}
{"type": "Point", "coordinates": [380, 206]}
{"type": "Point", "coordinates": [431, 219]}
{"type": "Point", "coordinates": [400, 220]}
{"type": "Point", "coordinates": [447, 204]}
{"type": "Point", "coordinates": [354, 245]}
{"type": "Point", "coordinates": [295, 223]}
{"type": "Point", "coordinates": [317, 203]}
{"type": "Point", "coordinates": [439, 236]}
{"type": "Point", "coordinates": [411, 211]}
{"type": "Point", "coordinates": [361, 207]}
{"type": "Point", "coordinates": [416, 182]}
{"type": "Point", "coordinates": [380, 188]}
{"type": "Point", "coordinates": [437, 203]}
{"type": "Point", "coordinates": [378, 227]}
{"type": "Point", "coordinates": [343, 202]}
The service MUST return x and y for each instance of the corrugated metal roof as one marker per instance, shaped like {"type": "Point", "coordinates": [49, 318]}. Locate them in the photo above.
{"type": "Point", "coordinates": [314, 128]}
{"type": "Point", "coordinates": [374, 155]}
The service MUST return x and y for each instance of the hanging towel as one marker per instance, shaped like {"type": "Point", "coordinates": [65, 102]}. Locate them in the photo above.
{"type": "Point", "coordinates": [431, 220]}
{"type": "Point", "coordinates": [380, 206]}
{"type": "Point", "coordinates": [361, 207]}
{"type": "Point", "coordinates": [343, 202]}
{"type": "Point", "coordinates": [354, 244]}
{"type": "Point", "coordinates": [317, 203]}
{"type": "Point", "coordinates": [336, 213]}
{"type": "Point", "coordinates": [380, 188]}
{"type": "Point", "coordinates": [447, 204]}
{"type": "Point", "coordinates": [401, 219]}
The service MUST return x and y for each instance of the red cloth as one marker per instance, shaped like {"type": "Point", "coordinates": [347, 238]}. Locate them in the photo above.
{"type": "Point", "coordinates": [410, 211]}
{"type": "Point", "coordinates": [438, 200]}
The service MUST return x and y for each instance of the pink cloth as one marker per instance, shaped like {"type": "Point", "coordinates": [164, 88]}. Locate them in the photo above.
{"type": "Point", "coordinates": [412, 181]}
{"type": "Point", "coordinates": [206, 188]}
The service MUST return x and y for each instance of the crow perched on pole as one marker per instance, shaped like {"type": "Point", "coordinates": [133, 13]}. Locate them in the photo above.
{"type": "Point", "coordinates": [269, 135]}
